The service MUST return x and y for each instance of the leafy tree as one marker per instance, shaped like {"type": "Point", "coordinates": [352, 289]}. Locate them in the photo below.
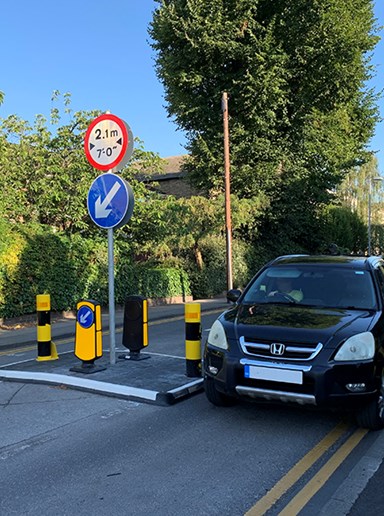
{"type": "Point", "coordinates": [168, 230]}
{"type": "Point", "coordinates": [44, 175]}
{"type": "Point", "coordinates": [200, 217]}
{"type": "Point", "coordinates": [205, 48]}
{"type": "Point", "coordinates": [294, 71]}
{"type": "Point", "coordinates": [300, 114]}
{"type": "Point", "coordinates": [358, 184]}
{"type": "Point", "coordinates": [344, 228]}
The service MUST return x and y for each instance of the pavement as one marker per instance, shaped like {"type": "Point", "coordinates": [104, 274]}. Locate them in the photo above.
{"type": "Point", "coordinates": [161, 380]}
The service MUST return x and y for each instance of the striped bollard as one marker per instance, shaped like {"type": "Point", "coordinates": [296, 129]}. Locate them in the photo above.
{"type": "Point", "coordinates": [46, 349]}
{"type": "Point", "coordinates": [135, 329]}
{"type": "Point", "coordinates": [193, 339]}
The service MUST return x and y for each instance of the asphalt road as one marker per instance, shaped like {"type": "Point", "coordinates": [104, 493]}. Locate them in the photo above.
{"type": "Point", "coordinates": [68, 452]}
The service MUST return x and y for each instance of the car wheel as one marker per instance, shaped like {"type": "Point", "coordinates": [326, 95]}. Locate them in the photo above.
{"type": "Point", "coordinates": [216, 397]}
{"type": "Point", "coordinates": [372, 415]}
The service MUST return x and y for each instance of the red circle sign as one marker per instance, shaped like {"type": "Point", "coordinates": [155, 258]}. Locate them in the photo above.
{"type": "Point", "coordinates": [108, 143]}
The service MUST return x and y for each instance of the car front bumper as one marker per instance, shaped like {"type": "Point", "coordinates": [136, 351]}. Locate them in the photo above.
{"type": "Point", "coordinates": [327, 384]}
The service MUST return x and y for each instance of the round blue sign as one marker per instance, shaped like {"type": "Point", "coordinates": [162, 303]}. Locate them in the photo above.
{"type": "Point", "coordinates": [85, 317]}
{"type": "Point", "coordinates": [110, 201]}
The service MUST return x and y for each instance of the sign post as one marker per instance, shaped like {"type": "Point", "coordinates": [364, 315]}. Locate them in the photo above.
{"type": "Point", "coordinates": [111, 297]}
{"type": "Point", "coordinates": [108, 146]}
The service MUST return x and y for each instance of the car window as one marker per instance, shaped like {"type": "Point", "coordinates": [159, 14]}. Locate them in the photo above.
{"type": "Point", "coordinates": [380, 276]}
{"type": "Point", "coordinates": [358, 290]}
{"type": "Point", "coordinates": [333, 287]}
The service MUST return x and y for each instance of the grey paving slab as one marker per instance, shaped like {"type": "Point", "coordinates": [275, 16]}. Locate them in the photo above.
{"type": "Point", "coordinates": [158, 379]}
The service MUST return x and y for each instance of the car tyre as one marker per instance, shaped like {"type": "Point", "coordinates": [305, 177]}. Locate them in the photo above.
{"type": "Point", "coordinates": [216, 397]}
{"type": "Point", "coordinates": [371, 416]}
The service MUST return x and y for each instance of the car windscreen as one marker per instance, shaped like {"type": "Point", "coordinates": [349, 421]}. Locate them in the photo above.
{"type": "Point", "coordinates": [315, 285]}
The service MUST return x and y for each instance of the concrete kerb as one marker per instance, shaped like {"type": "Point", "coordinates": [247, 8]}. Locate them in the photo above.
{"type": "Point", "coordinates": [105, 388]}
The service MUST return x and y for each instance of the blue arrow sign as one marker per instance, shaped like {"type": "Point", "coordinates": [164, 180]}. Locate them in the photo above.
{"type": "Point", "coordinates": [110, 201]}
{"type": "Point", "coordinates": [85, 317]}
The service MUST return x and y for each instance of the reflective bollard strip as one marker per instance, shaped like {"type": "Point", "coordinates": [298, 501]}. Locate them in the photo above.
{"type": "Point", "coordinates": [46, 349]}
{"type": "Point", "coordinates": [193, 339]}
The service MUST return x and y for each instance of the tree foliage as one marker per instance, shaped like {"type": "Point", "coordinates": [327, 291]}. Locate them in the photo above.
{"type": "Point", "coordinates": [295, 73]}
{"type": "Point", "coordinates": [345, 227]}
{"type": "Point", "coordinates": [358, 185]}
{"type": "Point", "coordinates": [44, 174]}
{"type": "Point", "coordinates": [300, 112]}
{"type": "Point", "coordinates": [165, 230]}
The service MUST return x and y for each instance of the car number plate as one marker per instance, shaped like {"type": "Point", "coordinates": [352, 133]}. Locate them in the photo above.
{"type": "Point", "coordinates": [273, 374]}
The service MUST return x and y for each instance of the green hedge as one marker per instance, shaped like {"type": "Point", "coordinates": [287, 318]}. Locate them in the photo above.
{"type": "Point", "coordinates": [34, 260]}
{"type": "Point", "coordinates": [162, 282]}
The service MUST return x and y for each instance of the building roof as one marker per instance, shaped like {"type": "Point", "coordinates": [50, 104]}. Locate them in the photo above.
{"type": "Point", "coordinates": [171, 180]}
{"type": "Point", "coordinates": [173, 164]}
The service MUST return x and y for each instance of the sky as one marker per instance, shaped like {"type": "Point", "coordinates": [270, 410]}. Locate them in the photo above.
{"type": "Point", "coordinates": [99, 52]}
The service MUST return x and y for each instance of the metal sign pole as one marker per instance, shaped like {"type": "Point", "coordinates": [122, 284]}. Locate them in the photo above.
{"type": "Point", "coordinates": [111, 286]}
{"type": "Point", "coordinates": [228, 223]}
{"type": "Point", "coordinates": [108, 146]}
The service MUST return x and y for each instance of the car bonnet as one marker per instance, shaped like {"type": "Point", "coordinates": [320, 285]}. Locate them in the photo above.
{"type": "Point", "coordinates": [287, 322]}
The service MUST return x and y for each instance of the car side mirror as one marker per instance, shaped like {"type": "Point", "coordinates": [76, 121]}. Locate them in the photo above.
{"type": "Point", "coordinates": [233, 295]}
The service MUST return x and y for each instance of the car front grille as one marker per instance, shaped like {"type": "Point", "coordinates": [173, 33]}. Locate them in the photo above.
{"type": "Point", "coordinates": [282, 350]}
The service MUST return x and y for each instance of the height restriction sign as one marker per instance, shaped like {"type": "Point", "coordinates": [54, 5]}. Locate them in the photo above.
{"type": "Point", "coordinates": [108, 143]}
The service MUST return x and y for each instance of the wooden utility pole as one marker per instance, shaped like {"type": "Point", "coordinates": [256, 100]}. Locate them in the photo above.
{"type": "Point", "coordinates": [228, 224]}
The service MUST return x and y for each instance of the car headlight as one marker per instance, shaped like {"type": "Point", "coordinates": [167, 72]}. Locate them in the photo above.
{"type": "Point", "coordinates": [358, 347]}
{"type": "Point", "coordinates": [217, 336]}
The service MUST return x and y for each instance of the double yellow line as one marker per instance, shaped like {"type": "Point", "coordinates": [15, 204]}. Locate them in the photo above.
{"type": "Point", "coordinates": [317, 482]}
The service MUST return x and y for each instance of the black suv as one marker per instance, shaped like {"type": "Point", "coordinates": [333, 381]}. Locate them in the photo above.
{"type": "Point", "coordinates": [307, 329]}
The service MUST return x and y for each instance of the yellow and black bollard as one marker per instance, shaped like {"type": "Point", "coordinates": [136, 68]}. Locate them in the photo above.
{"type": "Point", "coordinates": [135, 329]}
{"type": "Point", "coordinates": [88, 337]}
{"type": "Point", "coordinates": [193, 339]}
{"type": "Point", "coordinates": [46, 349]}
